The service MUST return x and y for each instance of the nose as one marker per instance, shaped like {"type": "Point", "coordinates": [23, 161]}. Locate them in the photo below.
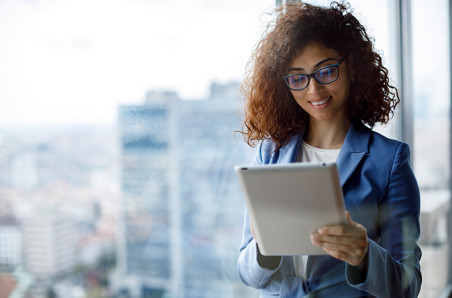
{"type": "Point", "coordinates": [314, 87]}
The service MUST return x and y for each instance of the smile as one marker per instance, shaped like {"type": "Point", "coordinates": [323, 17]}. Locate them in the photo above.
{"type": "Point", "coordinates": [318, 103]}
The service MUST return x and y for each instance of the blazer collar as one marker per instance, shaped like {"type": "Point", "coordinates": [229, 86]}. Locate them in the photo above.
{"type": "Point", "coordinates": [356, 145]}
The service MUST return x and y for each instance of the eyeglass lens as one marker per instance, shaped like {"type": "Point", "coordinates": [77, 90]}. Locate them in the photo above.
{"type": "Point", "coordinates": [323, 76]}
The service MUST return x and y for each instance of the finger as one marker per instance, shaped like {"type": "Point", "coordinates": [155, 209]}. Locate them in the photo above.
{"type": "Point", "coordinates": [356, 251]}
{"type": "Point", "coordinates": [343, 256]}
{"type": "Point", "coordinates": [337, 230]}
{"type": "Point", "coordinates": [251, 229]}
{"type": "Point", "coordinates": [349, 244]}
{"type": "Point", "coordinates": [343, 230]}
{"type": "Point", "coordinates": [346, 240]}
{"type": "Point", "coordinates": [337, 254]}
{"type": "Point", "coordinates": [349, 218]}
{"type": "Point", "coordinates": [349, 253]}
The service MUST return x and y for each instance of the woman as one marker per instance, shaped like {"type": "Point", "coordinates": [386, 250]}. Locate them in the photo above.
{"type": "Point", "coordinates": [316, 89]}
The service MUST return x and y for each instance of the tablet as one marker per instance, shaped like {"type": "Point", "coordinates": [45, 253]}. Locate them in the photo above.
{"type": "Point", "coordinates": [286, 203]}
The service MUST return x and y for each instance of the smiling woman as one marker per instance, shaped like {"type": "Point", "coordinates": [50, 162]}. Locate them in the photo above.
{"type": "Point", "coordinates": [330, 120]}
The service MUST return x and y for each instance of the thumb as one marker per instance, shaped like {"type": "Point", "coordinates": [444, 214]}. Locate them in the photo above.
{"type": "Point", "coordinates": [349, 219]}
{"type": "Point", "coordinates": [251, 229]}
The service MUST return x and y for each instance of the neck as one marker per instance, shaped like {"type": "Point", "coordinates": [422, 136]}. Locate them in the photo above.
{"type": "Point", "coordinates": [324, 135]}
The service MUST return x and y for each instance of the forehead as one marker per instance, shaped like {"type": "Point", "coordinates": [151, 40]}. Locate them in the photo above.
{"type": "Point", "coordinates": [310, 55]}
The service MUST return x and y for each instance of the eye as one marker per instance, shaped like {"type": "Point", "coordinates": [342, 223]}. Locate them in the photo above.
{"type": "Point", "coordinates": [326, 73]}
{"type": "Point", "coordinates": [297, 79]}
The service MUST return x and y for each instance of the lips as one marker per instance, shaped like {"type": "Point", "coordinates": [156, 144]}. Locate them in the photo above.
{"type": "Point", "coordinates": [320, 102]}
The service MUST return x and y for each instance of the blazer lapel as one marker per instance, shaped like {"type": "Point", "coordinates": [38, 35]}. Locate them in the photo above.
{"type": "Point", "coordinates": [355, 146]}
{"type": "Point", "coordinates": [289, 152]}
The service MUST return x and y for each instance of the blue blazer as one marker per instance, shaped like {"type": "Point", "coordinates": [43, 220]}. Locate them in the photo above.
{"type": "Point", "coordinates": [381, 193]}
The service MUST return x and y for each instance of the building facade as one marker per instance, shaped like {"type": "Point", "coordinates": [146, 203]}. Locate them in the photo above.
{"type": "Point", "coordinates": [180, 197]}
{"type": "Point", "coordinates": [10, 244]}
{"type": "Point", "coordinates": [49, 245]}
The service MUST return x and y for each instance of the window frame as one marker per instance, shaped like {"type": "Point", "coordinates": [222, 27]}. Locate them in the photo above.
{"type": "Point", "coordinates": [448, 289]}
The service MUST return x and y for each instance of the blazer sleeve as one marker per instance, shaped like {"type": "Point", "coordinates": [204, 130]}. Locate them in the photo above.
{"type": "Point", "coordinates": [393, 260]}
{"type": "Point", "coordinates": [251, 271]}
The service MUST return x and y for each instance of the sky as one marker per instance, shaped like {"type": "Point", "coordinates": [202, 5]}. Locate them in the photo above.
{"type": "Point", "coordinates": [65, 61]}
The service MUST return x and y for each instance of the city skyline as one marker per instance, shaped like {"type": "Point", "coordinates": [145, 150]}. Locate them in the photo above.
{"type": "Point", "coordinates": [67, 170]}
{"type": "Point", "coordinates": [95, 177]}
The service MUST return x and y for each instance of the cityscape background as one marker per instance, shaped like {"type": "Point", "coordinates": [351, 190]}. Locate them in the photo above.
{"type": "Point", "coordinates": [147, 208]}
{"type": "Point", "coordinates": [117, 142]}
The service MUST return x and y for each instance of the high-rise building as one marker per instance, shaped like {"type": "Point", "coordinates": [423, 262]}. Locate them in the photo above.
{"type": "Point", "coordinates": [49, 245]}
{"type": "Point", "coordinates": [181, 202]}
{"type": "Point", "coordinates": [10, 243]}
{"type": "Point", "coordinates": [144, 250]}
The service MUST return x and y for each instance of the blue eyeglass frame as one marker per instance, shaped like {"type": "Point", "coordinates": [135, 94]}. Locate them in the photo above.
{"type": "Point", "coordinates": [312, 75]}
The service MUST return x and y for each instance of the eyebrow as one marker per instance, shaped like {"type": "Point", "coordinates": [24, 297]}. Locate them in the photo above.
{"type": "Point", "coordinates": [315, 66]}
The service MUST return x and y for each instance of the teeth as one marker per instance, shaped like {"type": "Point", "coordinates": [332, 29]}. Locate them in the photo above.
{"type": "Point", "coordinates": [317, 103]}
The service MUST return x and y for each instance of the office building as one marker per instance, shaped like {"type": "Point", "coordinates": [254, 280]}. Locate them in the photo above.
{"type": "Point", "coordinates": [181, 200]}
{"type": "Point", "coordinates": [49, 247]}
{"type": "Point", "coordinates": [10, 244]}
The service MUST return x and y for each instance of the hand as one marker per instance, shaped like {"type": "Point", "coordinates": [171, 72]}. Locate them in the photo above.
{"type": "Point", "coordinates": [348, 243]}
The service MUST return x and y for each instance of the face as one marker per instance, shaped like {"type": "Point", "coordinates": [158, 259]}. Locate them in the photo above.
{"type": "Point", "coordinates": [323, 102]}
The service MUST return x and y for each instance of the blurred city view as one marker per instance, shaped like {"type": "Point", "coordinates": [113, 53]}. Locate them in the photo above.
{"type": "Point", "coordinates": [149, 207]}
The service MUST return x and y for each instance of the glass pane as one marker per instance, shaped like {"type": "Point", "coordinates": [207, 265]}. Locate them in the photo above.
{"type": "Point", "coordinates": [431, 77]}
{"type": "Point", "coordinates": [107, 188]}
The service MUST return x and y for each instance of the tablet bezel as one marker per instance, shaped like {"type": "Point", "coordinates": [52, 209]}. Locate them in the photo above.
{"type": "Point", "coordinates": [282, 219]}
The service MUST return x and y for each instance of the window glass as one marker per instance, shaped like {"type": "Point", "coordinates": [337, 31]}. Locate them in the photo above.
{"type": "Point", "coordinates": [431, 77]}
{"type": "Point", "coordinates": [117, 142]}
{"type": "Point", "coordinates": [117, 146]}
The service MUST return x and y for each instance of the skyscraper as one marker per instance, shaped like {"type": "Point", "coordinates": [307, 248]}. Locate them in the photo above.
{"type": "Point", "coordinates": [10, 243]}
{"type": "Point", "coordinates": [182, 206]}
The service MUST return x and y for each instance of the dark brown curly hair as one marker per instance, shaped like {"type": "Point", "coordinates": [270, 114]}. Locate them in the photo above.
{"type": "Point", "coordinates": [270, 109]}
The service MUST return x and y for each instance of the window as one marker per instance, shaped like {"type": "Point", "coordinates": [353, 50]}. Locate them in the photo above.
{"type": "Point", "coordinates": [431, 78]}
{"type": "Point", "coordinates": [117, 143]}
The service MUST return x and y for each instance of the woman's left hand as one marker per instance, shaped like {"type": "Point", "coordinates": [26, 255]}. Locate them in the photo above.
{"type": "Point", "coordinates": [348, 243]}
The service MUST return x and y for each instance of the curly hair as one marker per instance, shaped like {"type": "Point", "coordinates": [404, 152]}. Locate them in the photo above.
{"type": "Point", "coordinates": [270, 109]}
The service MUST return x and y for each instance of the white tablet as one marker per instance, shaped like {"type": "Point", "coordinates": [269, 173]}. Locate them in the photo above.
{"type": "Point", "coordinates": [286, 203]}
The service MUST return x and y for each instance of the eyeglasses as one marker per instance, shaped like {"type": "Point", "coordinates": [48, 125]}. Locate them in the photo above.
{"type": "Point", "coordinates": [324, 75]}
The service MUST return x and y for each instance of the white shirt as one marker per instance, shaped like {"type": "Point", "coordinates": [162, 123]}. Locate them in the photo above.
{"type": "Point", "coordinates": [310, 153]}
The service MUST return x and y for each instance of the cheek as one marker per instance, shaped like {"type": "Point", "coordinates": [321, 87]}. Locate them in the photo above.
{"type": "Point", "coordinates": [297, 97]}
{"type": "Point", "coordinates": [299, 100]}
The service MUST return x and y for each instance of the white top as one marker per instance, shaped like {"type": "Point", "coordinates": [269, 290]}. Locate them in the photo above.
{"type": "Point", "coordinates": [310, 153]}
